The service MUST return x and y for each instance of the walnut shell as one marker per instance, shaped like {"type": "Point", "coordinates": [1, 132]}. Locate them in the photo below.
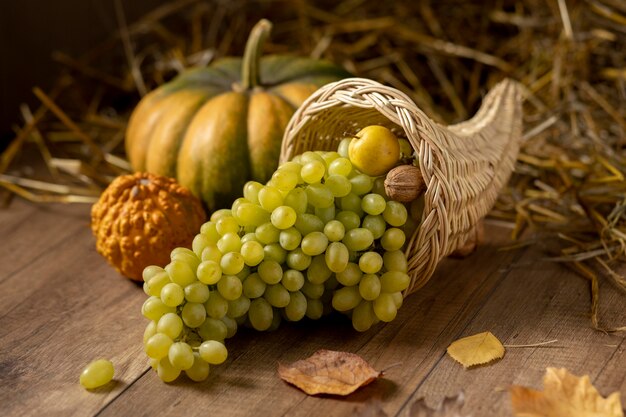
{"type": "Point", "coordinates": [404, 183]}
{"type": "Point", "coordinates": [140, 218]}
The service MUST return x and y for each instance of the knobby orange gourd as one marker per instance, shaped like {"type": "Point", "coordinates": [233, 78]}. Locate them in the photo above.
{"type": "Point", "coordinates": [140, 218]}
{"type": "Point", "coordinates": [215, 128]}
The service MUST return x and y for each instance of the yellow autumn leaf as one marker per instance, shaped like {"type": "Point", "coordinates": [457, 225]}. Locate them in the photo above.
{"type": "Point", "coordinates": [477, 349]}
{"type": "Point", "coordinates": [564, 395]}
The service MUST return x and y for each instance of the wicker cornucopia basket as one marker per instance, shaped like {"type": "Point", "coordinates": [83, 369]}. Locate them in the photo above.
{"type": "Point", "coordinates": [464, 166]}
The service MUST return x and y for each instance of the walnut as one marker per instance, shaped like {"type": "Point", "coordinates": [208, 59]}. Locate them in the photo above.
{"type": "Point", "coordinates": [404, 183]}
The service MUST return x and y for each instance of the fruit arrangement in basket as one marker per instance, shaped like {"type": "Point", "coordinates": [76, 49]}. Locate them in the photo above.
{"type": "Point", "coordinates": [320, 235]}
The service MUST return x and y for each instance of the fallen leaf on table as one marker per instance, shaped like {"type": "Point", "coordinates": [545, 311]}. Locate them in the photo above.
{"type": "Point", "coordinates": [329, 372]}
{"type": "Point", "coordinates": [476, 350]}
{"type": "Point", "coordinates": [564, 395]}
{"type": "Point", "coordinates": [450, 407]}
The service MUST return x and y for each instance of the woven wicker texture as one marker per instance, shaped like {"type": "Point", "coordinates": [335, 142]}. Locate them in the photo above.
{"type": "Point", "coordinates": [464, 165]}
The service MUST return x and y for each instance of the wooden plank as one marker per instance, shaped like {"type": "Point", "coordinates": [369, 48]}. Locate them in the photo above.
{"type": "Point", "coordinates": [536, 302]}
{"type": "Point", "coordinates": [64, 309]}
{"type": "Point", "coordinates": [248, 383]}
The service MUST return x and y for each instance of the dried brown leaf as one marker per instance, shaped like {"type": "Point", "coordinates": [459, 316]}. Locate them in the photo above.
{"type": "Point", "coordinates": [450, 407]}
{"type": "Point", "coordinates": [564, 395]}
{"type": "Point", "coordinates": [477, 349]}
{"type": "Point", "coordinates": [329, 372]}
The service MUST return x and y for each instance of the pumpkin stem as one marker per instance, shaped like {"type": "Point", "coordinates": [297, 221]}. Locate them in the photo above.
{"type": "Point", "coordinates": [250, 66]}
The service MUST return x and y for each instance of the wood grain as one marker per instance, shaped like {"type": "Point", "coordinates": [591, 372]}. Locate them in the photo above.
{"type": "Point", "coordinates": [62, 306]}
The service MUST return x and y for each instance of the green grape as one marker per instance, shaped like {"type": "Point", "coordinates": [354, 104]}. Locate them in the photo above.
{"type": "Point", "coordinates": [351, 202]}
{"type": "Point", "coordinates": [277, 295]}
{"type": "Point", "coordinates": [220, 214]}
{"type": "Point", "coordinates": [337, 256]}
{"type": "Point", "coordinates": [313, 172]}
{"type": "Point", "coordinates": [296, 199]}
{"type": "Point", "coordinates": [171, 325]}
{"type": "Point", "coordinates": [97, 374]}
{"type": "Point", "coordinates": [314, 243]}
{"type": "Point", "coordinates": [232, 263]}
{"type": "Point", "coordinates": [307, 223]}
{"type": "Point", "coordinates": [153, 308]}
{"type": "Point", "coordinates": [231, 326]}
{"type": "Point", "coordinates": [267, 233]}
{"type": "Point", "coordinates": [227, 225]}
{"type": "Point", "coordinates": [193, 314]}
{"type": "Point", "coordinates": [340, 166]}
{"type": "Point", "coordinates": [151, 330]}
{"type": "Point", "coordinates": [310, 156]}
{"type": "Point", "coordinates": [392, 239]}
{"type": "Point", "coordinates": [298, 260]}
{"type": "Point", "coordinates": [349, 219]}
{"type": "Point", "coordinates": [331, 284]}
{"type": "Point", "coordinates": [346, 298]}
{"type": "Point", "coordinates": [394, 281]}
{"type": "Point", "coordinates": [244, 273]}
{"type": "Point", "coordinates": [198, 244]}
{"type": "Point", "coordinates": [275, 252]}
{"type": "Point", "coordinates": [193, 339]}
{"type": "Point", "coordinates": [370, 262]}
{"type": "Point", "coordinates": [146, 288]}
{"type": "Point", "coordinates": [342, 148]}
{"type": "Point", "coordinates": [213, 352]}
{"type": "Point", "coordinates": [283, 217]}
{"type": "Point", "coordinates": [330, 156]}
{"type": "Point", "coordinates": [180, 273]}
{"type": "Point", "coordinates": [296, 309]}
{"type": "Point", "coordinates": [238, 307]}
{"type": "Point", "coordinates": [363, 316]}
{"type": "Point", "coordinates": [230, 287]}
{"type": "Point", "coordinates": [338, 185]}
{"type": "Point", "coordinates": [314, 309]}
{"type": "Point", "coordinates": [350, 276]}
{"type": "Point", "coordinates": [312, 291]}
{"type": "Point", "coordinates": [375, 224]}
{"type": "Point", "coordinates": [151, 271]}
{"type": "Point", "coordinates": [260, 314]}
{"type": "Point", "coordinates": [185, 255]}
{"type": "Point", "coordinates": [209, 272]}
{"type": "Point", "coordinates": [180, 355]}
{"type": "Point", "coordinates": [199, 371]}
{"type": "Point", "coordinates": [251, 191]}
{"type": "Point", "coordinates": [291, 166]}
{"type": "Point", "coordinates": [318, 272]}
{"type": "Point", "coordinates": [235, 206]}
{"type": "Point", "coordinates": [254, 286]}
{"type": "Point", "coordinates": [319, 196]}
{"type": "Point", "coordinates": [292, 280]}
{"type": "Point", "coordinates": [290, 238]}
{"type": "Point", "coordinates": [270, 198]}
{"type": "Point", "coordinates": [158, 345]}
{"type": "Point", "coordinates": [284, 179]}
{"type": "Point", "coordinates": [385, 307]}
{"type": "Point", "coordinates": [249, 237]}
{"type": "Point", "coordinates": [229, 242]}
{"type": "Point", "coordinates": [362, 184]}
{"type": "Point", "coordinates": [212, 329]}
{"type": "Point", "coordinates": [157, 282]}
{"type": "Point", "coordinates": [197, 292]}
{"type": "Point", "coordinates": [358, 239]}
{"type": "Point", "coordinates": [216, 306]}
{"type": "Point", "coordinates": [373, 204]}
{"type": "Point", "coordinates": [252, 253]}
{"type": "Point", "coordinates": [270, 272]}
{"type": "Point", "coordinates": [211, 253]}
{"type": "Point", "coordinates": [334, 230]}
{"type": "Point", "coordinates": [325, 214]}
{"type": "Point", "coordinates": [369, 287]}
{"type": "Point", "coordinates": [209, 230]}
{"type": "Point", "coordinates": [248, 214]}
{"type": "Point", "coordinates": [395, 213]}
{"type": "Point", "coordinates": [166, 371]}
{"type": "Point", "coordinates": [379, 187]}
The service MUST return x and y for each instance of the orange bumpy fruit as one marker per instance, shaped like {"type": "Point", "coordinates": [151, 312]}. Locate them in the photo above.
{"type": "Point", "coordinates": [374, 150]}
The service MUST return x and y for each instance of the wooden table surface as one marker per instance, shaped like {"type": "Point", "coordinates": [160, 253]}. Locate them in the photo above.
{"type": "Point", "coordinates": [62, 306]}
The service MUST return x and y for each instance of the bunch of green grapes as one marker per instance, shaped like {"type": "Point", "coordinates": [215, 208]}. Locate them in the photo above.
{"type": "Point", "coordinates": [319, 236]}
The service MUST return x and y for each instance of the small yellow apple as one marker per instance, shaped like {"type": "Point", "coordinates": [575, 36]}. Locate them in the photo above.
{"type": "Point", "coordinates": [374, 150]}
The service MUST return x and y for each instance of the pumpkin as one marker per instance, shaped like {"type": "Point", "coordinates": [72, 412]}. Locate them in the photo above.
{"type": "Point", "coordinates": [217, 127]}
{"type": "Point", "coordinates": [140, 218]}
